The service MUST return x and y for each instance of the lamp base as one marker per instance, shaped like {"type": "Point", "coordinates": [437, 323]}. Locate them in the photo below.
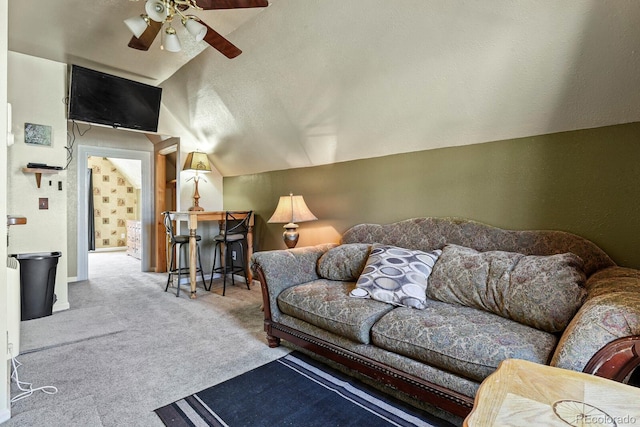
{"type": "Point", "coordinates": [196, 196]}
{"type": "Point", "coordinates": [291, 235]}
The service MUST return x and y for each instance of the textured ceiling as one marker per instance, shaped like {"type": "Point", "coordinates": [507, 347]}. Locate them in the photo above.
{"type": "Point", "coordinates": [323, 81]}
{"type": "Point", "coordinates": [92, 33]}
{"type": "Point", "coordinates": [331, 80]}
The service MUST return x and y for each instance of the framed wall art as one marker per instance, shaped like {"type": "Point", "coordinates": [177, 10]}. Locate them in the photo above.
{"type": "Point", "coordinates": [37, 134]}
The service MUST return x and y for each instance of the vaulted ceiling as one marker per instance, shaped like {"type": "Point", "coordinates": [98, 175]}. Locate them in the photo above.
{"type": "Point", "coordinates": [322, 81]}
{"type": "Point", "coordinates": [92, 33]}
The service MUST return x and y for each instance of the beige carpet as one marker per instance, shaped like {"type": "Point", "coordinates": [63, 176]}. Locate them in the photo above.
{"type": "Point", "coordinates": [65, 327]}
{"type": "Point", "coordinates": [153, 349]}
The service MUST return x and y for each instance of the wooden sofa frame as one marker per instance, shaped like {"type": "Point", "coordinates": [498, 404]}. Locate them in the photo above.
{"type": "Point", "coordinates": [617, 361]}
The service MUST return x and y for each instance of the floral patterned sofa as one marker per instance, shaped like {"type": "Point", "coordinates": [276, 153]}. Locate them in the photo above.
{"type": "Point", "coordinates": [550, 297]}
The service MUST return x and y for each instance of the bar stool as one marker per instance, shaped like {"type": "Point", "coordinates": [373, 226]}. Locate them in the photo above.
{"type": "Point", "coordinates": [233, 235]}
{"type": "Point", "coordinates": [182, 241]}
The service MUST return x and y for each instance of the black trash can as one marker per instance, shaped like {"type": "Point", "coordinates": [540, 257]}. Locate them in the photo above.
{"type": "Point", "coordinates": [37, 282]}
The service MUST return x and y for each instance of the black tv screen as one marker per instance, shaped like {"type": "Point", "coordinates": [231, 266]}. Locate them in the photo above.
{"type": "Point", "coordinates": [101, 98]}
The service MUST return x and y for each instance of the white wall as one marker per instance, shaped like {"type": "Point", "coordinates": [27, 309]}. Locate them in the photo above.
{"type": "Point", "coordinates": [5, 406]}
{"type": "Point", "coordinates": [210, 187]}
{"type": "Point", "coordinates": [210, 184]}
{"type": "Point", "coordinates": [36, 91]}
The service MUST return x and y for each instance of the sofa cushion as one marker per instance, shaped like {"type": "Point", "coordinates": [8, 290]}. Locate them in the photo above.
{"type": "Point", "coordinates": [326, 304]}
{"type": "Point", "coordinates": [539, 291]}
{"type": "Point", "coordinates": [396, 275]}
{"type": "Point", "coordinates": [344, 262]}
{"type": "Point", "coordinates": [462, 340]}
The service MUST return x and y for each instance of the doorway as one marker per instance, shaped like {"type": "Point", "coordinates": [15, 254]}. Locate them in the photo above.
{"type": "Point", "coordinates": [114, 199]}
{"type": "Point", "coordinates": [146, 204]}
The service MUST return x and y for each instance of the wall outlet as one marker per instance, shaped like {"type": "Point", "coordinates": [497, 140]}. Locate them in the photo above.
{"type": "Point", "coordinates": [234, 256]}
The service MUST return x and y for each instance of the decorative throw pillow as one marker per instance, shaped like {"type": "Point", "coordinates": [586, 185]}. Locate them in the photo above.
{"type": "Point", "coordinates": [344, 262]}
{"type": "Point", "coordinates": [396, 276]}
{"type": "Point", "coordinates": [539, 291]}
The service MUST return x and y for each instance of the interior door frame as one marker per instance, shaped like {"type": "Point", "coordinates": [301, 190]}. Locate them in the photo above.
{"type": "Point", "coordinates": [161, 150]}
{"type": "Point", "coordinates": [146, 199]}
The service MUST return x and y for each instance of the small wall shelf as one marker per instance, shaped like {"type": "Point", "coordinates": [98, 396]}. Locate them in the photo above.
{"type": "Point", "coordinates": [39, 173]}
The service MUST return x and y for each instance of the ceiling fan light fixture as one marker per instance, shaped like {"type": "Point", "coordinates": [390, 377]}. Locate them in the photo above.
{"type": "Point", "coordinates": [195, 28]}
{"type": "Point", "coordinates": [161, 13]}
{"type": "Point", "coordinates": [171, 40]}
{"type": "Point", "coordinates": [156, 10]}
{"type": "Point", "coordinates": [137, 24]}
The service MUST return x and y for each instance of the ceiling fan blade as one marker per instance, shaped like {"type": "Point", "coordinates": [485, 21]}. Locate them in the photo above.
{"type": "Point", "coordinates": [220, 43]}
{"type": "Point", "coordinates": [149, 35]}
{"type": "Point", "coordinates": [230, 4]}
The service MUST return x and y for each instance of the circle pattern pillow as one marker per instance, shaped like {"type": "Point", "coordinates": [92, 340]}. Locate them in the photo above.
{"type": "Point", "coordinates": [396, 275]}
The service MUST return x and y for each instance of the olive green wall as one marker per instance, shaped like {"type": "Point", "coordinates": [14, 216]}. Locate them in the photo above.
{"type": "Point", "coordinates": [586, 182]}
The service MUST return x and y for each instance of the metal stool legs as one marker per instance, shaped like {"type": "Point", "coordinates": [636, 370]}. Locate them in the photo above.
{"type": "Point", "coordinates": [228, 267]}
{"type": "Point", "coordinates": [236, 228]}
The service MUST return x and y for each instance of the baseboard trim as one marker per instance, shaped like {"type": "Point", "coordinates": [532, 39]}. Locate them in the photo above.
{"type": "Point", "coordinates": [184, 280]}
{"type": "Point", "coordinates": [110, 249]}
{"type": "Point", "coordinates": [61, 306]}
{"type": "Point", "coordinates": [5, 414]}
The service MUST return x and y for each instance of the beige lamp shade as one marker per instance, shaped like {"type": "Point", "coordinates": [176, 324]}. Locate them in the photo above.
{"type": "Point", "coordinates": [197, 161]}
{"type": "Point", "coordinates": [291, 209]}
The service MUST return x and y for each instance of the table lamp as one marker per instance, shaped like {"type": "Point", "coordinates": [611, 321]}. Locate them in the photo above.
{"type": "Point", "coordinates": [291, 209]}
{"type": "Point", "coordinates": [198, 162]}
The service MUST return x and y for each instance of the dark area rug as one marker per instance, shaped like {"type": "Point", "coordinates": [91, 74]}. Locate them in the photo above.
{"type": "Point", "coordinates": [293, 391]}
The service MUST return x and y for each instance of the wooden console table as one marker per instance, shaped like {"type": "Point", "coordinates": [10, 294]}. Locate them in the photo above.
{"type": "Point", "coordinates": [522, 393]}
{"type": "Point", "coordinates": [192, 217]}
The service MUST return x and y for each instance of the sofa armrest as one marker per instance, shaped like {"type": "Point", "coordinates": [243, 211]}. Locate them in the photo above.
{"type": "Point", "coordinates": [610, 315]}
{"type": "Point", "coordinates": [617, 360]}
{"type": "Point", "coordinates": [280, 269]}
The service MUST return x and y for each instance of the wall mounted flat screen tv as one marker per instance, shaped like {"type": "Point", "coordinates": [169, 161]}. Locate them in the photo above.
{"type": "Point", "coordinates": [100, 98]}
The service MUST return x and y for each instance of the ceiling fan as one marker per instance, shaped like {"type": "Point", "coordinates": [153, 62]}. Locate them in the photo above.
{"type": "Point", "coordinates": [160, 12]}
